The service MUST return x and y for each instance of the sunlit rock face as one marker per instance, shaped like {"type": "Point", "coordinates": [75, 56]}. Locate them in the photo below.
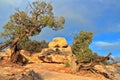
{"type": "Point", "coordinates": [105, 69]}
{"type": "Point", "coordinates": [31, 58]}
{"type": "Point", "coordinates": [56, 55]}
{"type": "Point", "coordinates": [58, 42]}
{"type": "Point", "coordinates": [58, 51]}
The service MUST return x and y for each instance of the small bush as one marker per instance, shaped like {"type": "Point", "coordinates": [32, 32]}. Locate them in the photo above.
{"type": "Point", "coordinates": [80, 46]}
{"type": "Point", "coordinates": [33, 45]}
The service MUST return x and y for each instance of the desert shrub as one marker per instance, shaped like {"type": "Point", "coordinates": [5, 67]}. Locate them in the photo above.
{"type": "Point", "coordinates": [80, 46]}
{"type": "Point", "coordinates": [33, 45]}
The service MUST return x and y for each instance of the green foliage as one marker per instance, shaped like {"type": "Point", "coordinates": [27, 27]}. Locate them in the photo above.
{"type": "Point", "coordinates": [22, 25]}
{"type": "Point", "coordinates": [80, 46]}
{"type": "Point", "coordinates": [33, 45]}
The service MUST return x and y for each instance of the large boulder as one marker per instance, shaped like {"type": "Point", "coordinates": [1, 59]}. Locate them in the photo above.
{"type": "Point", "coordinates": [31, 58]}
{"type": "Point", "coordinates": [66, 51]}
{"type": "Point", "coordinates": [56, 55]}
{"type": "Point", "coordinates": [55, 58]}
{"type": "Point", "coordinates": [58, 42]}
{"type": "Point", "coordinates": [35, 58]}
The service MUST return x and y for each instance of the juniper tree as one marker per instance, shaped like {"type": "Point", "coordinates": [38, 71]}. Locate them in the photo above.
{"type": "Point", "coordinates": [22, 25]}
{"type": "Point", "coordinates": [80, 46]}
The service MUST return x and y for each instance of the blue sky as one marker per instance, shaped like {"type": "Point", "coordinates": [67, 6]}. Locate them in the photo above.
{"type": "Point", "coordinates": [102, 17]}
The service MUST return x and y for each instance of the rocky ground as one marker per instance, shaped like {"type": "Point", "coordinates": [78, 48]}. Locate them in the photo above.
{"type": "Point", "coordinates": [47, 71]}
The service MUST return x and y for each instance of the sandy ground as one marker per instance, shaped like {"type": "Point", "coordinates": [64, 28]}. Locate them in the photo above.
{"type": "Point", "coordinates": [47, 71]}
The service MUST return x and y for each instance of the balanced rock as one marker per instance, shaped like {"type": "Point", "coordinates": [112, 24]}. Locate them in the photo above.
{"type": "Point", "coordinates": [58, 42]}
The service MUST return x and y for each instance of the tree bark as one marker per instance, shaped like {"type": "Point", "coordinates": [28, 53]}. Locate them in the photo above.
{"type": "Point", "coordinates": [4, 45]}
{"type": "Point", "coordinates": [15, 52]}
{"type": "Point", "coordinates": [16, 57]}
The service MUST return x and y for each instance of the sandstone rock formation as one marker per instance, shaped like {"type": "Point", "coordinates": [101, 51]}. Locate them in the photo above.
{"type": "Point", "coordinates": [58, 42]}
{"type": "Point", "coordinates": [58, 51]}
{"type": "Point", "coordinates": [108, 71]}
{"type": "Point", "coordinates": [31, 58]}
{"type": "Point", "coordinates": [104, 69]}
{"type": "Point", "coordinates": [56, 55]}
{"type": "Point", "coordinates": [27, 56]}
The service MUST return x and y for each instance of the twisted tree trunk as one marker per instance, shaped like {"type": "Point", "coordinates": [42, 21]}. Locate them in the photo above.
{"type": "Point", "coordinates": [15, 53]}
{"type": "Point", "coordinates": [16, 57]}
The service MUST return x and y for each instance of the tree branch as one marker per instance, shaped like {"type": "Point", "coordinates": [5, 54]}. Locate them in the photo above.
{"type": "Point", "coordinates": [4, 45]}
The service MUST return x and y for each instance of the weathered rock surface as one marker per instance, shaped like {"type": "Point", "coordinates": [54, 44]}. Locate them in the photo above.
{"type": "Point", "coordinates": [110, 71]}
{"type": "Point", "coordinates": [58, 51]}
{"type": "Point", "coordinates": [58, 42]}
{"type": "Point", "coordinates": [44, 71]}
{"type": "Point", "coordinates": [105, 68]}
{"type": "Point", "coordinates": [55, 58]}
{"type": "Point", "coordinates": [56, 55]}
{"type": "Point", "coordinates": [31, 58]}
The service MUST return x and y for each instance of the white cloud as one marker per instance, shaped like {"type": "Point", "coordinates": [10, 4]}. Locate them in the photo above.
{"type": "Point", "coordinates": [108, 45]}
{"type": "Point", "coordinates": [85, 14]}
{"type": "Point", "coordinates": [79, 14]}
{"type": "Point", "coordinates": [102, 44]}
{"type": "Point", "coordinates": [79, 11]}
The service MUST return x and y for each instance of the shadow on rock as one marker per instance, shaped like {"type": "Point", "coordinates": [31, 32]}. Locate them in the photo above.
{"type": "Point", "coordinates": [31, 75]}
